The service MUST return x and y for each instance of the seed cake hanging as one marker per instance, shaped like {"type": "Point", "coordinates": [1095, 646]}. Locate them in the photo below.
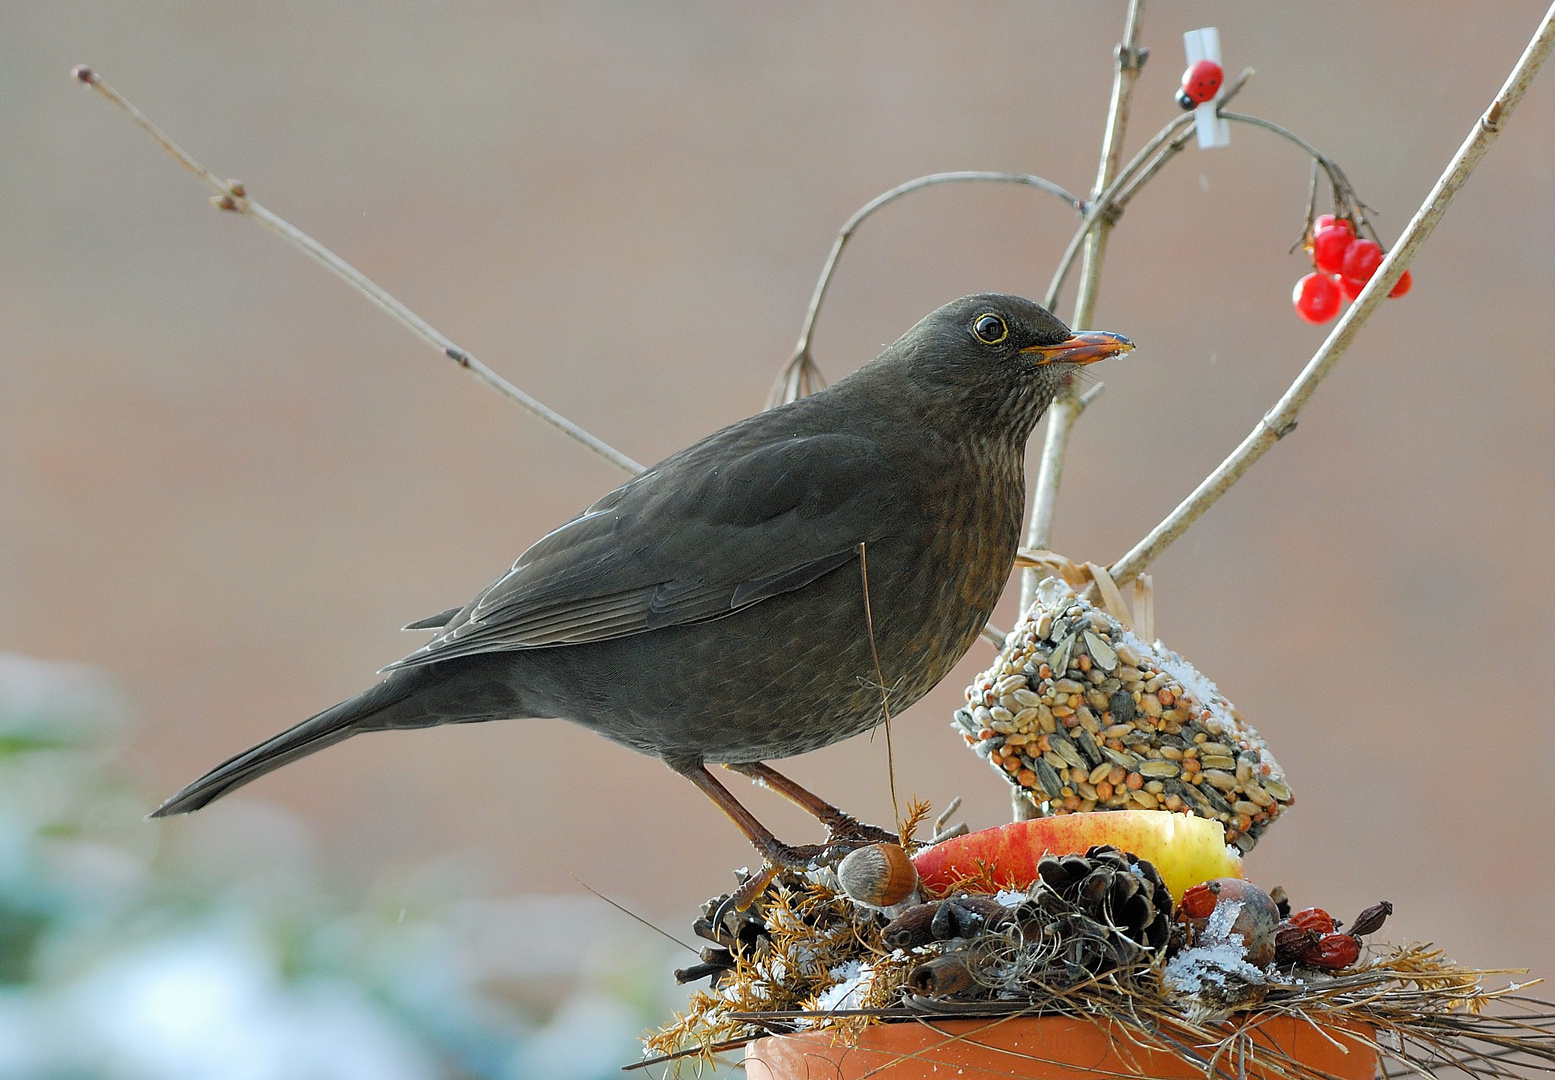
{"type": "Point", "coordinates": [1084, 716]}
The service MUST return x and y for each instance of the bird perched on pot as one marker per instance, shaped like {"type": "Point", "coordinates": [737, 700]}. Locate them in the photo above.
{"type": "Point", "coordinates": [728, 606]}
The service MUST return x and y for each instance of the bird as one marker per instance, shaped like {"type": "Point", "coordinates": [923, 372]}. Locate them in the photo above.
{"type": "Point", "coordinates": [770, 590]}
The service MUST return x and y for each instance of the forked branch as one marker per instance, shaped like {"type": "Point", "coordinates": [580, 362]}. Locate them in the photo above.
{"type": "Point", "coordinates": [231, 195]}
{"type": "Point", "coordinates": [800, 376]}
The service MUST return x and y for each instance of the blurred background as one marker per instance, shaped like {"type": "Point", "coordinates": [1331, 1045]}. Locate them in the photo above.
{"type": "Point", "coordinates": [226, 481]}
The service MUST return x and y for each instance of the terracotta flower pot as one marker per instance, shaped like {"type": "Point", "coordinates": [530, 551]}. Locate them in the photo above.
{"type": "Point", "coordinates": [1048, 1048]}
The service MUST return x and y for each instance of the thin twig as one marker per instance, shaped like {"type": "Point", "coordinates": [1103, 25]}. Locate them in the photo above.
{"type": "Point", "coordinates": [231, 195]}
{"type": "Point", "coordinates": [629, 913]}
{"type": "Point", "coordinates": [885, 701]}
{"type": "Point", "coordinates": [1281, 419]}
{"type": "Point", "coordinates": [796, 378]}
{"type": "Point", "coordinates": [1141, 168]}
{"type": "Point", "coordinates": [1062, 413]}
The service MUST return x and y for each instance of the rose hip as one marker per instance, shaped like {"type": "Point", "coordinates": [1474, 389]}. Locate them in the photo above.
{"type": "Point", "coordinates": [1313, 918]}
{"type": "Point", "coordinates": [1333, 951]}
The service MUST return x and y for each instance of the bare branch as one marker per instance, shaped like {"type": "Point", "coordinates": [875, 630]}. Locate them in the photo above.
{"type": "Point", "coordinates": [1063, 413]}
{"type": "Point", "coordinates": [231, 195]}
{"type": "Point", "coordinates": [801, 373]}
{"type": "Point", "coordinates": [1281, 419]}
{"type": "Point", "coordinates": [1141, 168]}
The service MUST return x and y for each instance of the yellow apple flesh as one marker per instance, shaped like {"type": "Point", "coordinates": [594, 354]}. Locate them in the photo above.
{"type": "Point", "coordinates": [1185, 849]}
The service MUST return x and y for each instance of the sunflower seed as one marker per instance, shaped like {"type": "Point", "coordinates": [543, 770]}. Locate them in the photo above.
{"type": "Point", "coordinates": [1047, 779]}
{"type": "Point", "coordinates": [1067, 751]}
{"type": "Point", "coordinates": [1087, 743]}
{"type": "Point", "coordinates": [1101, 652]}
{"type": "Point", "coordinates": [1120, 757]}
{"type": "Point", "coordinates": [1060, 661]}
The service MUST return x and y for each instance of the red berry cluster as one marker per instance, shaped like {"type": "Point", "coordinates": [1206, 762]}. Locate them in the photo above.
{"type": "Point", "coordinates": [1343, 265]}
{"type": "Point", "coordinates": [1200, 84]}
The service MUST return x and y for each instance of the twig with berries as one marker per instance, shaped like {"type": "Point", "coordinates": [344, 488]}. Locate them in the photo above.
{"type": "Point", "coordinates": [1384, 278]}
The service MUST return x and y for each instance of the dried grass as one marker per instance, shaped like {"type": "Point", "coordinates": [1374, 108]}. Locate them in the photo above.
{"type": "Point", "coordinates": [1423, 1014]}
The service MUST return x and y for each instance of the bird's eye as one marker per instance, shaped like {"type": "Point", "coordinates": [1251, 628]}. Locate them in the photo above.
{"type": "Point", "coordinates": [990, 329]}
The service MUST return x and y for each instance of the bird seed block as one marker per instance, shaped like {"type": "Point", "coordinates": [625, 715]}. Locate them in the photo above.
{"type": "Point", "coordinates": [1084, 716]}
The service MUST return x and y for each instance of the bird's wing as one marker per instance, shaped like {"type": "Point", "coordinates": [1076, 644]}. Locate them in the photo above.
{"type": "Point", "coordinates": [714, 529]}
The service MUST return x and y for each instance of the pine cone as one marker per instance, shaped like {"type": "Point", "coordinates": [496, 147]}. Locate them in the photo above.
{"type": "Point", "coordinates": [1105, 908]}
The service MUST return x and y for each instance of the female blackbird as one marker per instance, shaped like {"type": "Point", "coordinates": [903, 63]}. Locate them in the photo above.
{"type": "Point", "coordinates": [713, 610]}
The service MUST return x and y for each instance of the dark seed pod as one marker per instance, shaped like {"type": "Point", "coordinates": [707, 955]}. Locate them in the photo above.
{"type": "Point", "coordinates": [941, 976]}
{"type": "Point", "coordinates": [966, 916]}
{"type": "Point", "coordinates": [912, 927]}
{"type": "Point", "coordinates": [1291, 942]}
{"type": "Point", "coordinates": [1371, 920]}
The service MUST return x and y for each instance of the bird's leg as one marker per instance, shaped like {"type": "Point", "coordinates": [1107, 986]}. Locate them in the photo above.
{"type": "Point", "coordinates": [841, 825]}
{"type": "Point", "coordinates": [771, 848]}
{"type": "Point", "coordinates": [774, 851]}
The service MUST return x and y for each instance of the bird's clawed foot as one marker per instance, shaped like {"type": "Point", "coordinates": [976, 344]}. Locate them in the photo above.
{"type": "Point", "coordinates": [854, 833]}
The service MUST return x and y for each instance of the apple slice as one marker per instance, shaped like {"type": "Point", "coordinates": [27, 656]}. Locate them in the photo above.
{"type": "Point", "coordinates": [1185, 849]}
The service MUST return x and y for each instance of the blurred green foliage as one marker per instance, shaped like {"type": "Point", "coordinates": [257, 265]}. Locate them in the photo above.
{"type": "Point", "coordinates": [218, 948]}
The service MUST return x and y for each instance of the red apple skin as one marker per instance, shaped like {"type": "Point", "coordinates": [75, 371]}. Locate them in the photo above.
{"type": "Point", "coordinates": [1186, 850]}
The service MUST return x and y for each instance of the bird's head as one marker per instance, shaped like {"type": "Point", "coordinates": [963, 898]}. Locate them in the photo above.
{"type": "Point", "coordinates": [995, 362]}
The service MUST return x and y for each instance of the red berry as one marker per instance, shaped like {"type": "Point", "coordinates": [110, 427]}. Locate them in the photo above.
{"type": "Point", "coordinates": [1201, 82]}
{"type": "Point", "coordinates": [1316, 298]}
{"type": "Point", "coordinates": [1350, 287]}
{"type": "Point", "coordinates": [1404, 282]}
{"type": "Point", "coordinates": [1361, 261]}
{"type": "Point", "coordinates": [1329, 245]}
{"type": "Point", "coordinates": [1325, 221]}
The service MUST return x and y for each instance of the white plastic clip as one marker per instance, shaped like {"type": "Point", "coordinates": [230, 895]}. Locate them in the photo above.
{"type": "Point", "coordinates": [1212, 130]}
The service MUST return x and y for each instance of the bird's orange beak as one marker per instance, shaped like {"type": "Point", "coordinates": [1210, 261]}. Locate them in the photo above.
{"type": "Point", "coordinates": [1085, 347]}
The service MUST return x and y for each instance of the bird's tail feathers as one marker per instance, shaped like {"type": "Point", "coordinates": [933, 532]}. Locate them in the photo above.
{"type": "Point", "coordinates": [327, 728]}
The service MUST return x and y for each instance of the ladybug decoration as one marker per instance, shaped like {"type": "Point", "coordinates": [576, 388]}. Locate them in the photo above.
{"type": "Point", "coordinates": [1200, 83]}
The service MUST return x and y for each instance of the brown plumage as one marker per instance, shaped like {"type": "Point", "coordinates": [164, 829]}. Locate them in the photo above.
{"type": "Point", "coordinates": [711, 611]}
